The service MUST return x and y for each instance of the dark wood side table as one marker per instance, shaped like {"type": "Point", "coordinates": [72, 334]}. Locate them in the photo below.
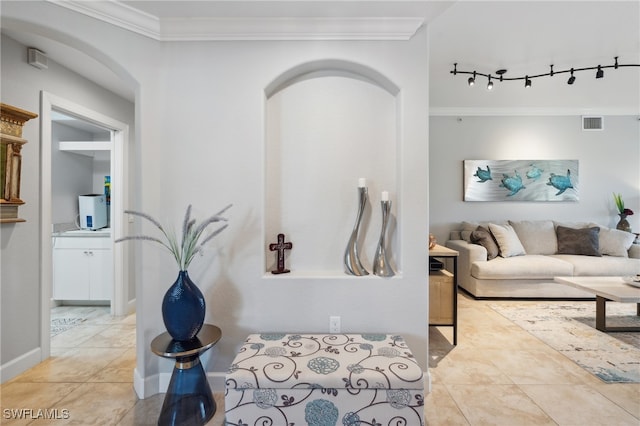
{"type": "Point", "coordinates": [443, 252]}
{"type": "Point", "coordinates": [189, 400]}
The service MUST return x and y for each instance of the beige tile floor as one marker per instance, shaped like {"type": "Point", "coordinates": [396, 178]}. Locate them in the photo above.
{"type": "Point", "coordinates": [498, 374]}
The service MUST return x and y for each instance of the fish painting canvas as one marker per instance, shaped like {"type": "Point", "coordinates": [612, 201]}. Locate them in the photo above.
{"type": "Point", "coordinates": [521, 180]}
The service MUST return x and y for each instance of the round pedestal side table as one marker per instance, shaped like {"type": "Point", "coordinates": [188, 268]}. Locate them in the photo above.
{"type": "Point", "coordinates": [189, 400]}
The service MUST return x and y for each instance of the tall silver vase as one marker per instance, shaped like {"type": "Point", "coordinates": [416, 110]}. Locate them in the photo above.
{"type": "Point", "coordinates": [381, 265]}
{"type": "Point", "coordinates": [352, 263]}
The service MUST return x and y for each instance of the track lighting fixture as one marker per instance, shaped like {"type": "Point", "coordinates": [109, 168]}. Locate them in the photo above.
{"type": "Point", "coordinates": [500, 74]}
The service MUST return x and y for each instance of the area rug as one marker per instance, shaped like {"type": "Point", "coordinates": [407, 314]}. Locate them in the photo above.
{"type": "Point", "coordinates": [60, 325]}
{"type": "Point", "coordinates": [569, 328]}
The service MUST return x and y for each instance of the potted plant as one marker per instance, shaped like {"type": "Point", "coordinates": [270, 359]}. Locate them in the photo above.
{"type": "Point", "coordinates": [623, 212]}
{"type": "Point", "coordinates": [183, 305]}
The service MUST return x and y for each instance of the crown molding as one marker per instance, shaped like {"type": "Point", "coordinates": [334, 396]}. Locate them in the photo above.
{"type": "Point", "coordinates": [244, 28]}
{"type": "Point", "coordinates": [289, 29]}
{"type": "Point", "coordinates": [529, 111]}
{"type": "Point", "coordinates": [115, 13]}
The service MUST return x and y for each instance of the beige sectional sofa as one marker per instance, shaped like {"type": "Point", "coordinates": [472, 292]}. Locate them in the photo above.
{"type": "Point", "coordinates": [519, 259]}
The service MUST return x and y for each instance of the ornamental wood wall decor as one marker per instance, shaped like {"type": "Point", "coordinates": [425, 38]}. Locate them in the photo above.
{"type": "Point", "coordinates": [12, 120]}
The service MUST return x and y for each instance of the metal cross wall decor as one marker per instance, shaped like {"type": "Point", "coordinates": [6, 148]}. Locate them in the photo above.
{"type": "Point", "coordinates": [280, 247]}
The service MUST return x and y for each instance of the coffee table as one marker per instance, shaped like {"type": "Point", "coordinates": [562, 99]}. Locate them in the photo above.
{"type": "Point", "coordinates": [606, 289]}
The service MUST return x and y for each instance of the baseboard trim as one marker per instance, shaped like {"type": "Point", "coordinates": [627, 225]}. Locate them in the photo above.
{"type": "Point", "coordinates": [159, 383]}
{"type": "Point", "coordinates": [20, 364]}
{"type": "Point", "coordinates": [131, 306]}
{"type": "Point", "coordinates": [145, 386]}
{"type": "Point", "coordinates": [427, 382]}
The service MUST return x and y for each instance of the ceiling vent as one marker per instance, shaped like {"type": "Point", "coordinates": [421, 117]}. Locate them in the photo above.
{"type": "Point", "coordinates": [592, 123]}
{"type": "Point", "coordinates": [37, 58]}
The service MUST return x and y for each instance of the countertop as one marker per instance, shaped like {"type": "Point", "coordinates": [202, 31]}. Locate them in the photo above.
{"type": "Point", "coordinates": [103, 232]}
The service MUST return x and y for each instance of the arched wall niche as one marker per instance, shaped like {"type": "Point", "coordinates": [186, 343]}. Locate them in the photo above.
{"type": "Point", "coordinates": [330, 67]}
{"type": "Point", "coordinates": [328, 124]}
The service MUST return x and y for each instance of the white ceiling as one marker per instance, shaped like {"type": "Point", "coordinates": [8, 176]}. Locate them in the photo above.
{"type": "Point", "coordinates": [531, 35]}
{"type": "Point", "coordinates": [521, 36]}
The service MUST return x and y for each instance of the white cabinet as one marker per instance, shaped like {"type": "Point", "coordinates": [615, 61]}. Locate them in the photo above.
{"type": "Point", "coordinates": [82, 268]}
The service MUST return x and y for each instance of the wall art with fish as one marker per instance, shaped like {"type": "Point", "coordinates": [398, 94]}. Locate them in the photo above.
{"type": "Point", "coordinates": [521, 180]}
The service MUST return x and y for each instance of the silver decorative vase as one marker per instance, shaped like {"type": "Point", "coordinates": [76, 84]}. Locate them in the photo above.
{"type": "Point", "coordinates": [352, 263]}
{"type": "Point", "coordinates": [381, 265]}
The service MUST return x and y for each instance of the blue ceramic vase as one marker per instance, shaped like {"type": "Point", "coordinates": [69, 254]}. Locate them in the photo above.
{"type": "Point", "coordinates": [183, 308]}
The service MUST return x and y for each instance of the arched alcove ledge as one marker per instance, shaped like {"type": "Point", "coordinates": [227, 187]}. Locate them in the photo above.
{"type": "Point", "coordinates": [330, 68]}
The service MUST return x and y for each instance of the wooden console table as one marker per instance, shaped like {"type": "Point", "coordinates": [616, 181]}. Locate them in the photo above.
{"type": "Point", "coordinates": [443, 292]}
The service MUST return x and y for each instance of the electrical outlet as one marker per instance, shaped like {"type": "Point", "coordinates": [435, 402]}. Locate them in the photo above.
{"type": "Point", "coordinates": [334, 324]}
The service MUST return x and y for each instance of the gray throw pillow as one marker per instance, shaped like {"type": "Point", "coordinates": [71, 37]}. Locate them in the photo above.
{"type": "Point", "coordinates": [483, 237]}
{"type": "Point", "coordinates": [583, 241]}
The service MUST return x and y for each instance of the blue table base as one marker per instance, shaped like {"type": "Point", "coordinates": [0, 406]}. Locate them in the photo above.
{"type": "Point", "coordinates": [189, 400]}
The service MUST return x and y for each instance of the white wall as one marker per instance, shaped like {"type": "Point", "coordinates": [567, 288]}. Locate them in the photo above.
{"type": "Point", "coordinates": [609, 161]}
{"type": "Point", "coordinates": [20, 243]}
{"type": "Point", "coordinates": [201, 130]}
{"type": "Point", "coordinates": [72, 175]}
{"type": "Point", "coordinates": [221, 159]}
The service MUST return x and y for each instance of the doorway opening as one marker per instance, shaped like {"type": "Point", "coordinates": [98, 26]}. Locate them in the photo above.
{"type": "Point", "coordinates": [104, 267]}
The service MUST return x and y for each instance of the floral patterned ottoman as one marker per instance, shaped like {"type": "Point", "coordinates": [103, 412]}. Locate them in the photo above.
{"type": "Point", "coordinates": [324, 380]}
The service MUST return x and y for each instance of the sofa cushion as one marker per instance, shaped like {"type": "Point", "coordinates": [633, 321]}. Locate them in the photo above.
{"type": "Point", "coordinates": [530, 266]}
{"type": "Point", "coordinates": [582, 241]}
{"type": "Point", "coordinates": [507, 240]}
{"type": "Point", "coordinates": [614, 242]}
{"type": "Point", "coordinates": [537, 236]}
{"type": "Point", "coordinates": [600, 266]}
{"type": "Point", "coordinates": [483, 237]}
{"type": "Point", "coordinates": [469, 227]}
{"type": "Point", "coordinates": [575, 225]}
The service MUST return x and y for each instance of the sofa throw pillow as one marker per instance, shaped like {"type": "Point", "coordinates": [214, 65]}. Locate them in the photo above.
{"type": "Point", "coordinates": [536, 236]}
{"type": "Point", "coordinates": [584, 241]}
{"type": "Point", "coordinates": [507, 240]}
{"type": "Point", "coordinates": [614, 242]}
{"type": "Point", "coordinates": [467, 229]}
{"type": "Point", "coordinates": [483, 237]}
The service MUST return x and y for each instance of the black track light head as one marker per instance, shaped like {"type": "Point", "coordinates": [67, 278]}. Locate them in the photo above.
{"type": "Point", "coordinates": [599, 73]}
{"type": "Point", "coordinates": [527, 82]}
{"type": "Point", "coordinates": [472, 80]}
{"type": "Point", "coordinates": [490, 84]}
{"type": "Point", "coordinates": [572, 79]}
